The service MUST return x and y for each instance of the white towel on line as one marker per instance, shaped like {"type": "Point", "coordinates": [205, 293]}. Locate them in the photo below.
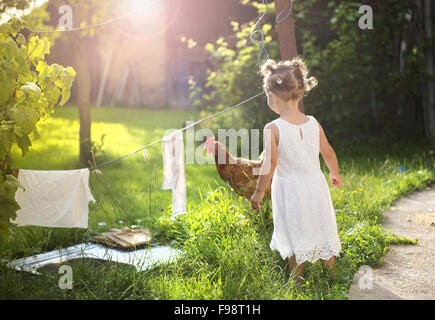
{"type": "Point", "coordinates": [53, 198]}
{"type": "Point", "coordinates": [173, 170]}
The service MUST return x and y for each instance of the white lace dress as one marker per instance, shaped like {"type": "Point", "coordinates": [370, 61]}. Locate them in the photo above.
{"type": "Point", "coordinates": [303, 213]}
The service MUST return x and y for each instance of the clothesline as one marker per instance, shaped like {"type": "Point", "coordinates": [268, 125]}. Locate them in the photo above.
{"type": "Point", "coordinates": [261, 15]}
{"type": "Point", "coordinates": [182, 129]}
{"type": "Point", "coordinates": [278, 20]}
{"type": "Point", "coordinates": [95, 25]}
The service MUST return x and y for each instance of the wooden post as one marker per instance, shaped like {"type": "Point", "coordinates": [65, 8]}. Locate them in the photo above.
{"type": "Point", "coordinates": [286, 35]}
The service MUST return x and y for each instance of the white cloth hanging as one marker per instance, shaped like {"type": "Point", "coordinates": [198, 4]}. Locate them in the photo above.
{"type": "Point", "coordinates": [173, 170]}
{"type": "Point", "coordinates": [53, 198]}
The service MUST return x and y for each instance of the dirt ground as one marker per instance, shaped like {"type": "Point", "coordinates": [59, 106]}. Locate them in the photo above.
{"type": "Point", "coordinates": [408, 271]}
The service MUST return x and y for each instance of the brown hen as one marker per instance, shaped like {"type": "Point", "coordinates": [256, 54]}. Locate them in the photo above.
{"type": "Point", "coordinates": [237, 172]}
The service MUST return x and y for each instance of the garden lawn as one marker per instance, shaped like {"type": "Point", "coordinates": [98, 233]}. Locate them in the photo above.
{"type": "Point", "coordinates": [225, 244]}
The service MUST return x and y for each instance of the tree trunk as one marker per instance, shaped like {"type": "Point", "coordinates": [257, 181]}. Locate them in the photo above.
{"type": "Point", "coordinates": [83, 81]}
{"type": "Point", "coordinates": [286, 35]}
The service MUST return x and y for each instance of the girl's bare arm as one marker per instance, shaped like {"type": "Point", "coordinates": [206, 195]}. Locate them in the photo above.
{"type": "Point", "coordinates": [268, 166]}
{"type": "Point", "coordinates": [330, 158]}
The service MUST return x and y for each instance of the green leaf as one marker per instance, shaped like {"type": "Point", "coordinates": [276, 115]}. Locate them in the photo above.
{"type": "Point", "coordinates": [7, 87]}
{"type": "Point", "coordinates": [26, 118]}
{"type": "Point", "coordinates": [52, 95]}
{"type": "Point", "coordinates": [7, 209]}
{"type": "Point", "coordinates": [38, 48]}
{"type": "Point", "coordinates": [70, 71]}
{"type": "Point", "coordinates": [12, 184]}
{"type": "Point", "coordinates": [16, 25]}
{"type": "Point", "coordinates": [24, 143]}
{"type": "Point", "coordinates": [18, 131]}
{"type": "Point", "coordinates": [21, 39]}
{"type": "Point", "coordinates": [5, 143]}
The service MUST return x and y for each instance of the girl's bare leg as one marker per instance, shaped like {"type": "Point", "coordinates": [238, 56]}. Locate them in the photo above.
{"type": "Point", "coordinates": [297, 269]}
{"type": "Point", "coordinates": [330, 265]}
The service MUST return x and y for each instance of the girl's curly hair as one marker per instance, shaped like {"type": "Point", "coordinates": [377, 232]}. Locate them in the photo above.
{"type": "Point", "coordinates": [288, 78]}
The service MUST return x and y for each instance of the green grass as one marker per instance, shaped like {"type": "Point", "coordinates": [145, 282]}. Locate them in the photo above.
{"type": "Point", "coordinates": [226, 245]}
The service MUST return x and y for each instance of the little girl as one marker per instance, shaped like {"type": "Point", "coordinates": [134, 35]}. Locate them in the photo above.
{"type": "Point", "coordinates": [304, 221]}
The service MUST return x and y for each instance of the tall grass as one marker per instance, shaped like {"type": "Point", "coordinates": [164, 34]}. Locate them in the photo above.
{"type": "Point", "coordinates": [225, 244]}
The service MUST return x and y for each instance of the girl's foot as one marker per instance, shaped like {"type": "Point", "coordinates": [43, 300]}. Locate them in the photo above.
{"type": "Point", "coordinates": [330, 266]}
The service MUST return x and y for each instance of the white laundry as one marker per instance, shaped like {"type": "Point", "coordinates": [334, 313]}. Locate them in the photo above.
{"type": "Point", "coordinates": [173, 170]}
{"type": "Point", "coordinates": [53, 198]}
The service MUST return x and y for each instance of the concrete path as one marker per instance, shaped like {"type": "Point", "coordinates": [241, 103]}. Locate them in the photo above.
{"type": "Point", "coordinates": [408, 271]}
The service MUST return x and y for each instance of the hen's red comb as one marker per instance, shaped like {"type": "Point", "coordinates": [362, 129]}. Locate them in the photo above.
{"type": "Point", "coordinates": [209, 145]}
{"type": "Point", "coordinates": [209, 140]}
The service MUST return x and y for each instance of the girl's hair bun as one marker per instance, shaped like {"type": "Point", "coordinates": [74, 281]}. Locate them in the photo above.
{"type": "Point", "coordinates": [310, 83]}
{"type": "Point", "coordinates": [298, 63]}
{"type": "Point", "coordinates": [268, 67]}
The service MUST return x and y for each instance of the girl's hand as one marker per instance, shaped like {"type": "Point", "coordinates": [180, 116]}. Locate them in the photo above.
{"type": "Point", "coordinates": [256, 199]}
{"type": "Point", "coordinates": [336, 179]}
